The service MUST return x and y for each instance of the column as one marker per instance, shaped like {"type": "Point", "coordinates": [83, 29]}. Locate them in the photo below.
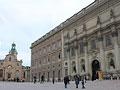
{"type": "Point", "coordinates": [86, 57]}
{"type": "Point", "coordinates": [102, 54]}
{"type": "Point", "coordinates": [76, 57]}
{"type": "Point", "coordinates": [68, 59]}
{"type": "Point", "coordinates": [116, 49]}
{"type": "Point", "coordinates": [62, 43]}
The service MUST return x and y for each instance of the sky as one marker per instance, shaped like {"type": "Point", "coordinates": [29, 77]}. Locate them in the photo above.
{"type": "Point", "coordinates": [25, 21]}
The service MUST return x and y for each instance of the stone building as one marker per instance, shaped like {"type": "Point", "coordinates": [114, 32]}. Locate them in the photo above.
{"type": "Point", "coordinates": [11, 68]}
{"type": "Point", "coordinates": [46, 57]}
{"type": "Point", "coordinates": [90, 42]}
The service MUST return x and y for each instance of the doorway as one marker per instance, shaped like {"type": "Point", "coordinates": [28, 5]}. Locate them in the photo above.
{"type": "Point", "coordinates": [95, 67]}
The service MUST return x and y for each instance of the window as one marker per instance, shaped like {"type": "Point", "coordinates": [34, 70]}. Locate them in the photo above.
{"type": "Point", "coordinates": [43, 60]}
{"type": "Point", "coordinates": [53, 45]}
{"type": "Point", "coordinates": [53, 74]}
{"type": "Point", "coordinates": [66, 72]}
{"type": "Point", "coordinates": [23, 74]}
{"type": "Point", "coordinates": [48, 48]}
{"type": "Point", "coordinates": [93, 44]}
{"type": "Point", "coordinates": [65, 53]}
{"type": "Point", "coordinates": [17, 74]}
{"type": "Point", "coordinates": [48, 75]}
{"type": "Point", "coordinates": [9, 59]}
{"type": "Point", "coordinates": [59, 43]}
{"type": "Point", "coordinates": [40, 61]}
{"type": "Point", "coordinates": [108, 40]}
{"type": "Point", "coordinates": [48, 59]}
{"type": "Point", "coordinates": [44, 50]}
{"type": "Point", "coordinates": [1, 73]}
{"type": "Point", "coordinates": [81, 48]}
{"type": "Point", "coordinates": [59, 55]}
{"type": "Point", "coordinates": [17, 64]}
{"type": "Point", "coordinates": [53, 57]}
{"type": "Point", "coordinates": [40, 52]}
{"type": "Point", "coordinates": [66, 64]}
{"type": "Point", "coordinates": [73, 51]}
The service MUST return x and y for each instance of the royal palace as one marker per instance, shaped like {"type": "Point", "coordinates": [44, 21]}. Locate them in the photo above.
{"type": "Point", "coordinates": [84, 44]}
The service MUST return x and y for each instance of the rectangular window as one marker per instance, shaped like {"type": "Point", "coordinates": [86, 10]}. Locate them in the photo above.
{"type": "Point", "coordinates": [59, 43]}
{"type": "Point", "coordinates": [1, 73]}
{"type": "Point", "coordinates": [40, 61]}
{"type": "Point", "coordinates": [53, 45]}
{"type": "Point", "coordinates": [93, 44]}
{"type": "Point", "coordinates": [48, 59]}
{"type": "Point", "coordinates": [59, 55]}
{"type": "Point", "coordinates": [44, 50]}
{"type": "Point", "coordinates": [81, 48]}
{"type": "Point", "coordinates": [40, 52]}
{"type": "Point", "coordinates": [53, 57]}
{"type": "Point", "coordinates": [73, 51]}
{"type": "Point", "coordinates": [48, 48]}
{"type": "Point", "coordinates": [17, 64]}
{"type": "Point", "coordinates": [108, 40]}
{"type": "Point", "coordinates": [43, 60]}
{"type": "Point", "coordinates": [65, 53]}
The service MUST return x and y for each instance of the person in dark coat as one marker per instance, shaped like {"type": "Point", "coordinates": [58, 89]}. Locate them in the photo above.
{"type": "Point", "coordinates": [83, 84]}
{"type": "Point", "coordinates": [76, 80]}
{"type": "Point", "coordinates": [42, 79]}
{"type": "Point", "coordinates": [34, 79]}
{"type": "Point", "coordinates": [66, 81]}
{"type": "Point", "coordinates": [53, 80]}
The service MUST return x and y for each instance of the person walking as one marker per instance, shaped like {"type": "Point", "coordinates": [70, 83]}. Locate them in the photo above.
{"type": "Point", "coordinates": [83, 84]}
{"type": "Point", "coordinates": [53, 80]}
{"type": "Point", "coordinates": [66, 81]}
{"type": "Point", "coordinates": [42, 79]}
{"type": "Point", "coordinates": [76, 80]}
{"type": "Point", "coordinates": [34, 79]}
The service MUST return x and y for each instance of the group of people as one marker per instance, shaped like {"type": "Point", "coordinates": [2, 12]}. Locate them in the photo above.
{"type": "Point", "coordinates": [77, 80]}
{"type": "Point", "coordinates": [42, 79]}
{"type": "Point", "coordinates": [66, 81]}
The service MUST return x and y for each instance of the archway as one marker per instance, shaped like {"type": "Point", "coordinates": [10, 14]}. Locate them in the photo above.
{"type": "Point", "coordinates": [95, 67]}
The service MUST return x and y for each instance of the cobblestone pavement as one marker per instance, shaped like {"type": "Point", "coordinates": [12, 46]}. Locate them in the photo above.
{"type": "Point", "coordinates": [90, 85]}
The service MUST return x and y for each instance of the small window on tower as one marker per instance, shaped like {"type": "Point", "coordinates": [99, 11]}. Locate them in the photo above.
{"type": "Point", "coordinates": [17, 64]}
{"type": "Point", "coordinates": [9, 59]}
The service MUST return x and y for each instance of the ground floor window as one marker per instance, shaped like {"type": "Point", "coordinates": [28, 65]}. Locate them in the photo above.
{"type": "Point", "coordinates": [1, 73]}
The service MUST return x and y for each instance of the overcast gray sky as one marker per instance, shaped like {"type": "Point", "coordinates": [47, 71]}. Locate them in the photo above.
{"type": "Point", "coordinates": [24, 21]}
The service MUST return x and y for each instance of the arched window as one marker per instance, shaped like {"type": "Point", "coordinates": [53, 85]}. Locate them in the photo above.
{"type": "Point", "coordinates": [9, 59]}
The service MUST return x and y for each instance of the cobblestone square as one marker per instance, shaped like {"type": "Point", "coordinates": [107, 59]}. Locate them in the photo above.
{"type": "Point", "coordinates": [90, 85]}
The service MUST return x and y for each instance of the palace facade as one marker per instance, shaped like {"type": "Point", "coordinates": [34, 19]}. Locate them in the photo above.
{"type": "Point", "coordinates": [11, 68]}
{"type": "Point", "coordinates": [89, 42]}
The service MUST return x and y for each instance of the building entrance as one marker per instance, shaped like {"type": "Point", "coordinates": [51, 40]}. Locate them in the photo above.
{"type": "Point", "coordinates": [95, 67]}
{"type": "Point", "coordinates": [9, 76]}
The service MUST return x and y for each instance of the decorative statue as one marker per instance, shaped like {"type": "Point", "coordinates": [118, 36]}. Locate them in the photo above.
{"type": "Point", "coordinates": [74, 68]}
{"type": "Point", "coordinates": [83, 67]}
{"type": "Point", "coordinates": [112, 63]}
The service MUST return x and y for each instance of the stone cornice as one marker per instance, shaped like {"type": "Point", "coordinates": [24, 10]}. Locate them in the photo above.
{"type": "Point", "coordinates": [75, 17]}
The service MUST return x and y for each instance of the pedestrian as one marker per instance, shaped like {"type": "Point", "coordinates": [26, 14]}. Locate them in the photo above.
{"type": "Point", "coordinates": [53, 80]}
{"type": "Point", "coordinates": [66, 81]}
{"type": "Point", "coordinates": [17, 79]}
{"type": "Point", "coordinates": [42, 79]}
{"type": "Point", "coordinates": [34, 79]}
{"type": "Point", "coordinates": [76, 80]}
{"type": "Point", "coordinates": [83, 84]}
